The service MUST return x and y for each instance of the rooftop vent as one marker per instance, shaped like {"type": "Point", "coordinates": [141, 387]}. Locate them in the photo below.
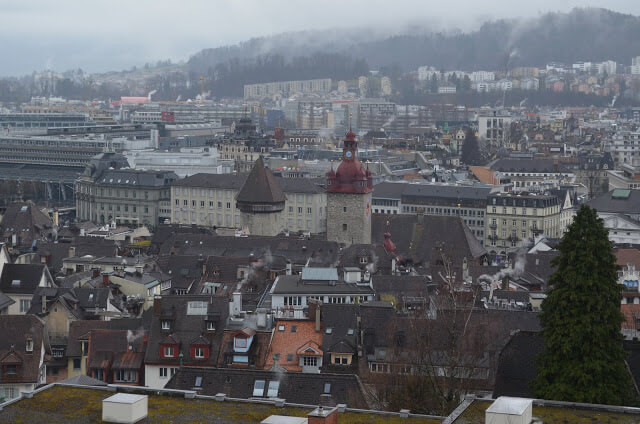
{"type": "Point", "coordinates": [124, 408]}
{"type": "Point", "coordinates": [509, 410]}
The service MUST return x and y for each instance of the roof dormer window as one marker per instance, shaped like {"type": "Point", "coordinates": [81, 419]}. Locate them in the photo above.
{"type": "Point", "coordinates": [29, 344]}
{"type": "Point", "coordinates": [166, 324]}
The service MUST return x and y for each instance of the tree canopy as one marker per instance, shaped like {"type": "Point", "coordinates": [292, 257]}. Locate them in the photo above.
{"type": "Point", "coordinates": [470, 149]}
{"type": "Point", "coordinates": [583, 359]}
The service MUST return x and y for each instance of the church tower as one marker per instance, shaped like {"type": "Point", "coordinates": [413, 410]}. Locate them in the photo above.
{"type": "Point", "coordinates": [261, 201]}
{"type": "Point", "coordinates": [349, 198]}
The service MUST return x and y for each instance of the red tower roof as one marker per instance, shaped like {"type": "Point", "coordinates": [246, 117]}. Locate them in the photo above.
{"type": "Point", "coordinates": [351, 177]}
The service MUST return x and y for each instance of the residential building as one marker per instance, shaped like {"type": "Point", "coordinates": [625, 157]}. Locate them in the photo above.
{"type": "Point", "coordinates": [349, 198]}
{"type": "Point", "coordinates": [291, 295]}
{"type": "Point", "coordinates": [20, 282]}
{"type": "Point", "coordinates": [531, 174]}
{"type": "Point", "coordinates": [22, 354]}
{"type": "Point", "coordinates": [117, 356]}
{"type": "Point", "coordinates": [385, 86]}
{"type": "Point", "coordinates": [627, 177]}
{"type": "Point", "coordinates": [185, 330]}
{"type": "Point", "coordinates": [374, 114]}
{"type": "Point", "coordinates": [620, 210]}
{"type": "Point", "coordinates": [210, 200]}
{"type": "Point", "coordinates": [110, 191]}
{"type": "Point", "coordinates": [515, 219]}
{"type": "Point", "coordinates": [296, 346]}
{"type": "Point", "coordinates": [624, 147]}
{"type": "Point", "coordinates": [23, 225]}
{"type": "Point", "coordinates": [286, 88]}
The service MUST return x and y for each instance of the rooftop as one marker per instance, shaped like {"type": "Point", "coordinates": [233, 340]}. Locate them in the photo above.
{"type": "Point", "coordinates": [45, 406]}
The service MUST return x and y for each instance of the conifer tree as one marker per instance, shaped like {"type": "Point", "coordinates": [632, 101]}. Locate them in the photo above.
{"type": "Point", "coordinates": [583, 359]}
{"type": "Point", "coordinates": [470, 149]}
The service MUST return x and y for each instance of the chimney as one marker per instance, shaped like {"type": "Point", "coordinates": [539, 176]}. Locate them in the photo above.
{"type": "Point", "coordinates": [317, 318]}
{"type": "Point", "coordinates": [235, 306]}
{"type": "Point", "coordinates": [72, 251]}
{"type": "Point", "coordinates": [139, 270]}
{"type": "Point", "coordinates": [289, 268]}
{"type": "Point", "coordinates": [44, 303]}
{"type": "Point", "coordinates": [157, 306]}
{"type": "Point", "coordinates": [420, 212]}
{"type": "Point", "coordinates": [95, 272]}
{"type": "Point", "coordinates": [393, 266]}
{"type": "Point", "coordinates": [323, 415]}
{"type": "Point", "coordinates": [105, 278]}
{"type": "Point", "coordinates": [262, 317]}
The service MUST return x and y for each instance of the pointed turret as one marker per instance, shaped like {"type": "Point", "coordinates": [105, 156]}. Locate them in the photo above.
{"type": "Point", "coordinates": [260, 192]}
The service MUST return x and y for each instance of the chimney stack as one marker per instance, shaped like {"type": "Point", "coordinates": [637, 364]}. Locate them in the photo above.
{"type": "Point", "coordinates": [105, 278]}
{"type": "Point", "coordinates": [44, 303]}
{"type": "Point", "coordinates": [323, 415]}
{"type": "Point", "coordinates": [157, 306]}
{"type": "Point", "coordinates": [289, 268]}
{"type": "Point", "coordinates": [72, 251]}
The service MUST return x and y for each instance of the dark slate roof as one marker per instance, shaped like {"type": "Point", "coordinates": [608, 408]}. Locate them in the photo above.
{"type": "Point", "coordinates": [260, 186]}
{"type": "Point", "coordinates": [278, 249]}
{"type": "Point", "coordinates": [516, 366]}
{"type": "Point", "coordinates": [378, 256]}
{"type": "Point", "coordinates": [29, 276]}
{"type": "Point", "coordinates": [633, 349]}
{"type": "Point", "coordinates": [5, 301]}
{"type": "Point", "coordinates": [388, 190]}
{"type": "Point", "coordinates": [20, 216]}
{"type": "Point", "coordinates": [136, 178]}
{"type": "Point", "coordinates": [14, 329]}
{"type": "Point", "coordinates": [401, 288]}
{"type": "Point", "coordinates": [56, 252]}
{"type": "Point", "coordinates": [528, 165]}
{"type": "Point", "coordinates": [302, 388]}
{"type": "Point", "coordinates": [607, 202]}
{"type": "Point", "coordinates": [235, 181]}
{"type": "Point", "coordinates": [89, 298]}
{"type": "Point", "coordinates": [293, 284]}
{"type": "Point", "coordinates": [184, 270]}
{"type": "Point", "coordinates": [342, 321]}
{"type": "Point", "coordinates": [417, 241]}
{"type": "Point", "coordinates": [80, 330]}
{"type": "Point", "coordinates": [186, 328]}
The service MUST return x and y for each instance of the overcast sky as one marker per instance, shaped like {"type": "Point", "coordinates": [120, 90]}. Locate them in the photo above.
{"type": "Point", "coordinates": [117, 34]}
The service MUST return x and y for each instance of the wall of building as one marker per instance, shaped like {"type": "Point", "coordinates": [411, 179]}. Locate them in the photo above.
{"type": "Point", "coordinates": [349, 218]}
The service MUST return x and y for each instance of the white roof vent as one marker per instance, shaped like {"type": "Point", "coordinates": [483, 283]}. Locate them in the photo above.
{"type": "Point", "coordinates": [509, 410]}
{"type": "Point", "coordinates": [124, 408]}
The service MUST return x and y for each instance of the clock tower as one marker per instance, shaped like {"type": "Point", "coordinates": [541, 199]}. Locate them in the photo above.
{"type": "Point", "coordinates": [349, 198]}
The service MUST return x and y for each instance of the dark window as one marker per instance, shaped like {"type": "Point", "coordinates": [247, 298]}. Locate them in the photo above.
{"type": "Point", "coordinates": [344, 227]}
{"type": "Point", "coordinates": [76, 364]}
{"type": "Point", "coordinates": [294, 328]}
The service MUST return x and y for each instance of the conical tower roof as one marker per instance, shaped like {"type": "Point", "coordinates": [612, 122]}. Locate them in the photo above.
{"type": "Point", "coordinates": [260, 187]}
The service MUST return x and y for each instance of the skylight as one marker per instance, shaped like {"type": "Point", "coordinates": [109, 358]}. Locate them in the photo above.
{"type": "Point", "coordinates": [272, 391]}
{"type": "Point", "coordinates": [198, 382]}
{"type": "Point", "coordinates": [15, 283]}
{"type": "Point", "coordinates": [329, 330]}
{"type": "Point", "coordinates": [258, 388]}
{"type": "Point", "coordinates": [350, 332]}
{"type": "Point", "coordinates": [327, 388]}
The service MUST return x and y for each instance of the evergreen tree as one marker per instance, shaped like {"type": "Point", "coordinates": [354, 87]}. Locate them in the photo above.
{"type": "Point", "coordinates": [470, 149]}
{"type": "Point", "coordinates": [583, 360]}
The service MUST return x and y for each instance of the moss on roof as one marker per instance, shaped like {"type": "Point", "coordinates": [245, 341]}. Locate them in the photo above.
{"type": "Point", "coordinates": [475, 414]}
{"type": "Point", "coordinates": [77, 405]}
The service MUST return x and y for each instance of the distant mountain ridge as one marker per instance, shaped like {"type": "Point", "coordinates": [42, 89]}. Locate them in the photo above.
{"type": "Point", "coordinates": [588, 34]}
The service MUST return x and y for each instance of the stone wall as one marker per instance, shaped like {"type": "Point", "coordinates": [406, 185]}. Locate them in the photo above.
{"type": "Point", "coordinates": [349, 218]}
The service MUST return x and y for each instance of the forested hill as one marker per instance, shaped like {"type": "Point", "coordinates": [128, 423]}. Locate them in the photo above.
{"type": "Point", "coordinates": [580, 35]}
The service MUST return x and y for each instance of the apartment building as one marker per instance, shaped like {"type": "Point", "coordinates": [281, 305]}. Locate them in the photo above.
{"type": "Point", "coordinates": [514, 219]}
{"type": "Point", "coordinates": [624, 147]}
{"type": "Point", "coordinates": [210, 200]}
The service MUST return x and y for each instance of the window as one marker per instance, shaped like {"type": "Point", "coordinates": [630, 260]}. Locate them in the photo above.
{"type": "Point", "coordinates": [76, 364]}
{"type": "Point", "coordinates": [126, 375]}
{"type": "Point", "coordinates": [327, 388]}
{"type": "Point", "coordinates": [210, 326]}
{"type": "Point", "coordinates": [29, 346]}
{"type": "Point", "coordinates": [309, 211]}
{"type": "Point", "coordinates": [163, 373]}
{"type": "Point", "coordinates": [169, 352]}
{"type": "Point", "coordinates": [9, 392]}
{"type": "Point", "coordinates": [299, 211]}
{"type": "Point", "coordinates": [166, 324]}
{"type": "Point", "coordinates": [281, 328]}
{"type": "Point", "coordinates": [25, 304]}
{"type": "Point", "coordinates": [11, 369]}
{"type": "Point", "coordinates": [294, 328]}
{"type": "Point", "coordinates": [240, 342]}
{"type": "Point", "coordinates": [199, 352]}
{"type": "Point", "coordinates": [310, 361]}
{"type": "Point", "coordinates": [344, 209]}
{"type": "Point", "coordinates": [344, 227]}
{"type": "Point", "coordinates": [272, 391]}
{"type": "Point", "coordinates": [198, 382]}
{"type": "Point", "coordinates": [258, 388]}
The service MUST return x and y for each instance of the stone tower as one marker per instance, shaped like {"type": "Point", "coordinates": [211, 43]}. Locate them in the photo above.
{"type": "Point", "coordinates": [261, 201]}
{"type": "Point", "coordinates": [349, 198]}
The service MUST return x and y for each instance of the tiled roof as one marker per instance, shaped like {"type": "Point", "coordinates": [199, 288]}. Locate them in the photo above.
{"type": "Point", "coordinates": [82, 380]}
{"type": "Point", "coordinates": [285, 343]}
{"type": "Point", "coordinates": [607, 202]}
{"type": "Point", "coordinates": [79, 330]}
{"type": "Point", "coordinates": [628, 256]}
{"type": "Point", "coordinates": [14, 330]}
{"type": "Point", "coordinates": [528, 165]}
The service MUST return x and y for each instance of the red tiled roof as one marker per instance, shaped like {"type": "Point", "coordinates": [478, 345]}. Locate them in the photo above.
{"type": "Point", "coordinates": [631, 314]}
{"type": "Point", "coordinates": [286, 343]}
{"type": "Point", "coordinates": [628, 256]}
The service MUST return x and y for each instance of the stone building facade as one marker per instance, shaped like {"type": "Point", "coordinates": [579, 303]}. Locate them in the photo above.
{"type": "Point", "coordinates": [109, 191]}
{"type": "Point", "coordinates": [210, 200]}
